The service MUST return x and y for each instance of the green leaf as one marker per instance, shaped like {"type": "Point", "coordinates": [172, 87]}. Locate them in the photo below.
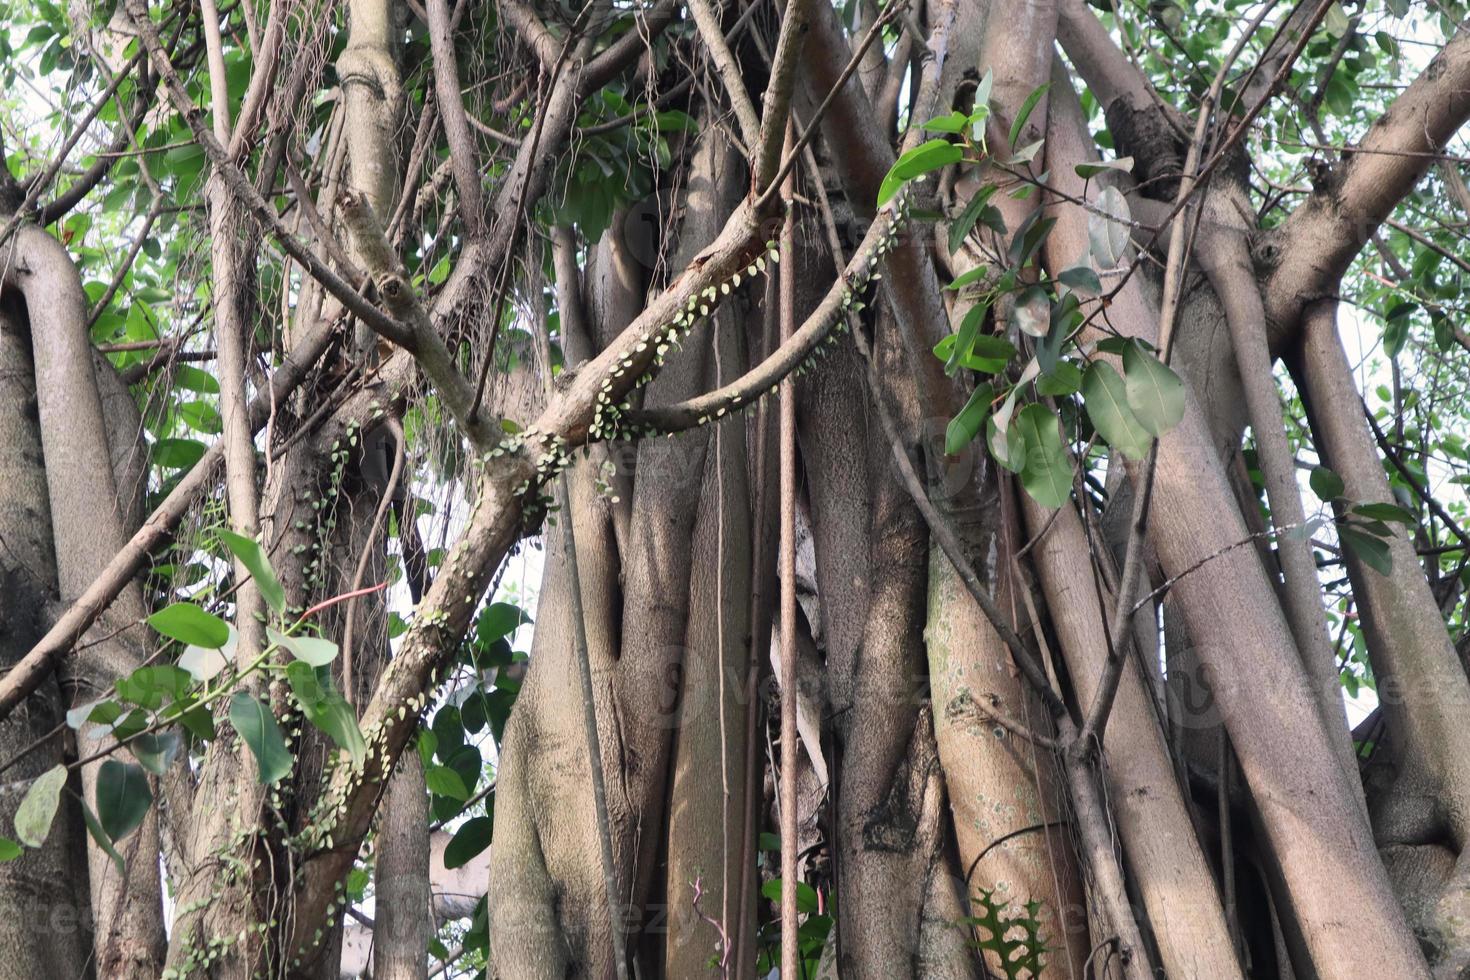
{"type": "Point", "coordinates": [427, 742]}
{"type": "Point", "coordinates": [201, 417]}
{"type": "Point", "coordinates": [1065, 379]}
{"type": "Point", "coordinates": [982, 90]}
{"type": "Point", "coordinates": [101, 712]}
{"type": "Point", "coordinates": [988, 354]}
{"type": "Point", "coordinates": [1025, 154]}
{"type": "Point", "coordinates": [151, 687]}
{"type": "Point", "coordinates": [325, 708]}
{"type": "Point", "coordinates": [1386, 512]}
{"type": "Point", "coordinates": [1029, 237]}
{"type": "Point", "coordinates": [123, 798]}
{"type": "Point", "coordinates": [1370, 550]}
{"type": "Point", "coordinates": [37, 809]}
{"type": "Point", "coordinates": [253, 557]}
{"type": "Point", "coordinates": [177, 454]}
{"type": "Point", "coordinates": [94, 827]}
{"type": "Point", "coordinates": [445, 782]}
{"type": "Point", "coordinates": [1047, 476]}
{"type": "Point", "coordinates": [191, 377]}
{"type": "Point", "coordinates": [1327, 485]}
{"type": "Point", "coordinates": [806, 895]}
{"type": "Point", "coordinates": [9, 850]}
{"type": "Point", "coordinates": [1106, 398]}
{"type": "Point", "coordinates": [335, 716]}
{"type": "Point", "coordinates": [470, 839]}
{"type": "Point", "coordinates": [965, 337]}
{"type": "Point", "coordinates": [200, 722]}
{"type": "Point", "coordinates": [1396, 335]}
{"type": "Point", "coordinates": [1336, 21]}
{"type": "Point", "coordinates": [1085, 170]}
{"type": "Point", "coordinates": [954, 122]}
{"type": "Point", "coordinates": [155, 751]}
{"type": "Point", "coordinates": [675, 121]}
{"type": "Point", "coordinates": [188, 623]}
{"type": "Point", "coordinates": [998, 431]}
{"type": "Point", "coordinates": [965, 278]}
{"type": "Point", "coordinates": [1033, 312]}
{"type": "Point", "coordinates": [499, 619]}
{"type": "Point", "coordinates": [257, 726]}
{"type": "Point", "coordinates": [1114, 345]}
{"type": "Point", "coordinates": [305, 683]}
{"type": "Point", "coordinates": [1008, 445]}
{"type": "Point", "coordinates": [1155, 393]}
{"type": "Point", "coordinates": [962, 225]}
{"type": "Point", "coordinates": [963, 427]}
{"type": "Point", "coordinates": [922, 159]}
{"type": "Point", "coordinates": [1081, 279]}
{"type": "Point", "coordinates": [1107, 231]}
{"type": "Point", "coordinates": [313, 650]}
{"type": "Point", "coordinates": [1024, 113]}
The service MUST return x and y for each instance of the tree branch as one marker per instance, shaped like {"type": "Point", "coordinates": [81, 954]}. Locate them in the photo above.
{"type": "Point", "coordinates": [1319, 240]}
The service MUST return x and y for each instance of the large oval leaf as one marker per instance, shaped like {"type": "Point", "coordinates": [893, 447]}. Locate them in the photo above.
{"type": "Point", "coordinates": [1107, 228]}
{"type": "Point", "coordinates": [1047, 476]}
{"type": "Point", "coordinates": [920, 160]}
{"type": "Point", "coordinates": [34, 815]}
{"type": "Point", "coordinates": [499, 619]}
{"type": "Point", "coordinates": [1106, 398]}
{"type": "Point", "coordinates": [155, 751]}
{"type": "Point", "coordinates": [444, 781]}
{"type": "Point", "coordinates": [333, 715]}
{"type": "Point", "coordinates": [311, 649]}
{"type": "Point", "coordinates": [253, 557]}
{"type": "Point", "coordinates": [188, 623]}
{"type": "Point", "coordinates": [471, 838]}
{"type": "Point", "coordinates": [257, 726]}
{"type": "Point", "coordinates": [1155, 393]}
{"type": "Point", "coordinates": [177, 454]}
{"type": "Point", "coordinates": [963, 427]}
{"type": "Point", "coordinates": [123, 798]}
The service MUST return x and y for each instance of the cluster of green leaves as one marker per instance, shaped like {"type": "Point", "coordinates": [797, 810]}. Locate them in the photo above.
{"type": "Point", "coordinates": [614, 168]}
{"type": "Point", "coordinates": [1362, 527]}
{"type": "Point", "coordinates": [816, 924]}
{"type": "Point", "coordinates": [160, 710]}
{"type": "Point", "coordinates": [450, 748]}
{"type": "Point", "coordinates": [1043, 359]}
{"type": "Point", "coordinates": [1404, 296]}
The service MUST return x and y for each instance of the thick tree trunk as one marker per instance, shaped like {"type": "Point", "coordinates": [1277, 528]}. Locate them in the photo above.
{"type": "Point", "coordinates": [46, 924]}
{"type": "Point", "coordinates": [1423, 808]}
{"type": "Point", "coordinates": [126, 907]}
{"type": "Point", "coordinates": [1308, 808]}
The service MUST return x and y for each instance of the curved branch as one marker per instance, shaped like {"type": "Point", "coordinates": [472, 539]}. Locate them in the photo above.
{"type": "Point", "coordinates": [776, 106]}
{"type": "Point", "coordinates": [1323, 235]}
{"type": "Point", "coordinates": [761, 379]}
{"type": "Point", "coordinates": [412, 330]}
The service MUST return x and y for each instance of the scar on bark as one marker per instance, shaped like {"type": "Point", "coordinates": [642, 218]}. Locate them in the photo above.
{"type": "Point", "coordinates": [896, 824]}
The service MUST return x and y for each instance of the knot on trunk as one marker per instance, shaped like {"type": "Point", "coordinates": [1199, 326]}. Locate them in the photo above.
{"type": "Point", "coordinates": [908, 817]}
